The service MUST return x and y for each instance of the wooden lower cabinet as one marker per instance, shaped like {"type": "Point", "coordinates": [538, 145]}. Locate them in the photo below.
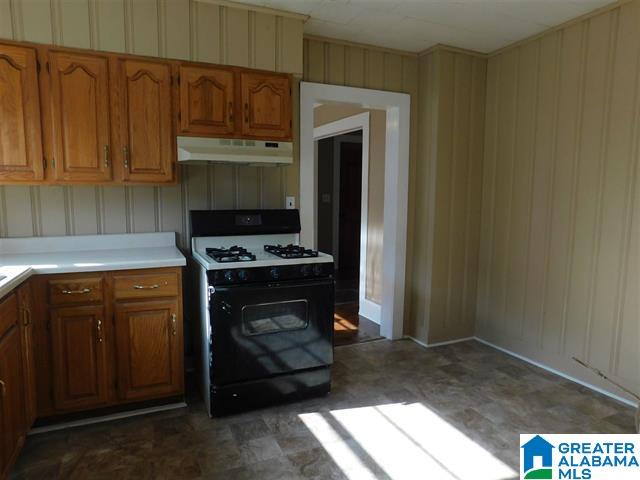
{"type": "Point", "coordinates": [148, 349]}
{"type": "Point", "coordinates": [25, 320]}
{"type": "Point", "coordinates": [80, 378]}
{"type": "Point", "coordinates": [12, 398]}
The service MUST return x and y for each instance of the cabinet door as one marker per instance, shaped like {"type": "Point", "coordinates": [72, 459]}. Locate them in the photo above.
{"type": "Point", "coordinates": [146, 135]}
{"type": "Point", "coordinates": [266, 104]}
{"type": "Point", "coordinates": [79, 357]}
{"type": "Point", "coordinates": [20, 128]}
{"type": "Point", "coordinates": [206, 101]}
{"type": "Point", "coordinates": [12, 423]}
{"type": "Point", "coordinates": [149, 338]}
{"type": "Point", "coordinates": [25, 308]}
{"type": "Point", "coordinates": [80, 110]}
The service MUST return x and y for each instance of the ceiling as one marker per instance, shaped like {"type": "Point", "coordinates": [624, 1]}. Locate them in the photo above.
{"type": "Point", "coordinates": [415, 25]}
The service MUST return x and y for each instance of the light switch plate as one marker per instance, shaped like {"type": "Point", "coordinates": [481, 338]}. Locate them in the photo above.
{"type": "Point", "coordinates": [290, 203]}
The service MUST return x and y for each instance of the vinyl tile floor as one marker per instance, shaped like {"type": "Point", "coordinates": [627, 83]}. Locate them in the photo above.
{"type": "Point", "coordinates": [397, 411]}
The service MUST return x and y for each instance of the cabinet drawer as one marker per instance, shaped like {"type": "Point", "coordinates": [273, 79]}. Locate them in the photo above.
{"type": "Point", "coordinates": [76, 290]}
{"type": "Point", "coordinates": [157, 284]}
{"type": "Point", "coordinates": [8, 314]}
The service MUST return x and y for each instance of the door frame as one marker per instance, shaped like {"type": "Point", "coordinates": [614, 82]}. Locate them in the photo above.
{"type": "Point", "coordinates": [396, 185]}
{"type": "Point", "coordinates": [360, 121]}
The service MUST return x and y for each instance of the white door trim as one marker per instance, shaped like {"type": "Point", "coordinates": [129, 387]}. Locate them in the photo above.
{"type": "Point", "coordinates": [361, 121]}
{"type": "Point", "coordinates": [397, 107]}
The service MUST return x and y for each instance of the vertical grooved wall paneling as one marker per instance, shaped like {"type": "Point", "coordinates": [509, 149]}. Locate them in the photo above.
{"type": "Point", "coordinates": [560, 242]}
{"type": "Point", "coordinates": [182, 29]}
{"type": "Point", "coordinates": [447, 202]}
{"type": "Point", "coordinates": [338, 63]}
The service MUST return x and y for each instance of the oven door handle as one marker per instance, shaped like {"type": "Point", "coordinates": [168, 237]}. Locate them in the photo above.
{"type": "Point", "coordinates": [290, 284]}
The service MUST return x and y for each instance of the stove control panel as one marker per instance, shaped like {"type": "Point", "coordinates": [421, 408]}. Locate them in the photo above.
{"type": "Point", "coordinates": [280, 273]}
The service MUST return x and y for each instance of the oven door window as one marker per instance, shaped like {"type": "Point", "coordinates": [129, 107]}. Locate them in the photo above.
{"type": "Point", "coordinates": [277, 317]}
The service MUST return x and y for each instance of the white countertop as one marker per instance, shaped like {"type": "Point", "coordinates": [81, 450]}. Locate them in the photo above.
{"type": "Point", "coordinates": [22, 257]}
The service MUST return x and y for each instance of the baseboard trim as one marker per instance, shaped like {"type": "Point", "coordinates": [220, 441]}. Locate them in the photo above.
{"type": "Point", "coordinates": [559, 373]}
{"type": "Point", "coordinates": [106, 418]}
{"type": "Point", "coordinates": [370, 310]}
{"type": "Point", "coordinates": [438, 344]}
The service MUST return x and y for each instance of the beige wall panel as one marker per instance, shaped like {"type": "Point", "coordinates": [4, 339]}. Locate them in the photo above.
{"type": "Point", "coordinates": [272, 195]}
{"type": "Point", "coordinates": [224, 186]}
{"type": "Point", "coordinates": [248, 187]}
{"type": "Point", "coordinates": [176, 29]}
{"type": "Point", "coordinates": [290, 46]}
{"type": "Point", "coordinates": [315, 61]}
{"type": "Point", "coordinates": [6, 28]}
{"type": "Point", "coordinates": [34, 22]}
{"type": "Point", "coordinates": [114, 213]}
{"type": "Point", "coordinates": [143, 27]}
{"type": "Point", "coordinates": [18, 215]}
{"type": "Point", "coordinates": [579, 149]}
{"type": "Point", "coordinates": [207, 33]}
{"type": "Point", "coordinates": [520, 214]}
{"type": "Point", "coordinates": [236, 29]}
{"type": "Point", "coordinates": [335, 64]}
{"type": "Point", "coordinates": [588, 194]}
{"type": "Point", "coordinates": [374, 65]}
{"type": "Point", "coordinates": [144, 209]}
{"type": "Point", "coordinates": [83, 206]}
{"type": "Point", "coordinates": [50, 204]}
{"type": "Point", "coordinates": [264, 41]}
{"type": "Point", "coordinates": [542, 180]}
{"type": "Point", "coordinates": [110, 26]}
{"type": "Point", "coordinates": [393, 72]}
{"type": "Point", "coordinates": [170, 213]}
{"type": "Point", "coordinates": [73, 22]}
{"type": "Point", "coordinates": [354, 74]}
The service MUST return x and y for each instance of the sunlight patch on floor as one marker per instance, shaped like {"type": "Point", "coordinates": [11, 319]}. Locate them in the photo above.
{"type": "Point", "coordinates": [405, 441]}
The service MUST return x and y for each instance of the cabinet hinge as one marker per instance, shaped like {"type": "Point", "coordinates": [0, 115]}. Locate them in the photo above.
{"type": "Point", "coordinates": [48, 69]}
{"type": "Point", "coordinates": [53, 163]}
{"type": "Point", "coordinates": [178, 79]}
{"type": "Point", "coordinates": [48, 324]}
{"type": "Point", "coordinates": [290, 123]}
{"type": "Point", "coordinates": [44, 163]}
{"type": "Point", "coordinates": [38, 65]}
{"type": "Point", "coordinates": [290, 91]}
{"type": "Point", "coordinates": [179, 117]}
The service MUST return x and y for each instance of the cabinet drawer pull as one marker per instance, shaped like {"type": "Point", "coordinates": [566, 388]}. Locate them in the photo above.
{"type": "Point", "coordinates": [146, 287]}
{"type": "Point", "coordinates": [3, 389]}
{"type": "Point", "coordinates": [173, 324]}
{"type": "Point", "coordinates": [76, 292]}
{"type": "Point", "coordinates": [26, 317]}
{"type": "Point", "coordinates": [246, 113]}
{"type": "Point", "coordinates": [231, 111]}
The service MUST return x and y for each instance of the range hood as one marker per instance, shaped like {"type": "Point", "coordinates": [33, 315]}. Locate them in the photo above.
{"type": "Point", "coordinates": [236, 151]}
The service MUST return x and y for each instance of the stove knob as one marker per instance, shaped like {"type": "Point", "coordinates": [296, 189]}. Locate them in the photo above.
{"type": "Point", "coordinates": [275, 273]}
{"type": "Point", "coordinates": [242, 275]}
{"type": "Point", "coordinates": [229, 276]}
{"type": "Point", "coordinates": [317, 269]}
{"type": "Point", "coordinates": [305, 270]}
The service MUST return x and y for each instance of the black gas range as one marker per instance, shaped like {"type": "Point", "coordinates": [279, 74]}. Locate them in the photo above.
{"type": "Point", "coordinates": [266, 308]}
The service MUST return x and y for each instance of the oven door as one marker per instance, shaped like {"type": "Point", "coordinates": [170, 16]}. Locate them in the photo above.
{"type": "Point", "coordinates": [269, 329]}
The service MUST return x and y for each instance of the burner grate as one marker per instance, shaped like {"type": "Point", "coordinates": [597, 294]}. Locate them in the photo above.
{"type": "Point", "coordinates": [290, 251]}
{"type": "Point", "coordinates": [230, 255]}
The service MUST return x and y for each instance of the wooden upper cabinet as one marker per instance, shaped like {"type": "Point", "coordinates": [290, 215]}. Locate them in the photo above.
{"type": "Point", "coordinates": [207, 97]}
{"type": "Point", "coordinates": [266, 105]}
{"type": "Point", "coordinates": [78, 347]}
{"type": "Point", "coordinates": [20, 128]}
{"type": "Point", "coordinates": [146, 143]}
{"type": "Point", "coordinates": [149, 340]}
{"type": "Point", "coordinates": [80, 116]}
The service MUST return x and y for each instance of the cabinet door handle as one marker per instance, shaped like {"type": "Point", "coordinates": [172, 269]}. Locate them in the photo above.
{"type": "Point", "coordinates": [125, 155]}
{"type": "Point", "coordinates": [246, 113]}
{"type": "Point", "coordinates": [146, 287]}
{"type": "Point", "coordinates": [173, 324]}
{"type": "Point", "coordinates": [231, 111]}
{"type": "Point", "coordinates": [82, 291]}
{"type": "Point", "coordinates": [106, 156]}
{"type": "Point", "coordinates": [26, 317]}
{"type": "Point", "coordinates": [3, 389]}
{"type": "Point", "coordinates": [99, 328]}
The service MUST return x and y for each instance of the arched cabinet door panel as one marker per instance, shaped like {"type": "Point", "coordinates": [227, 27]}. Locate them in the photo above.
{"type": "Point", "coordinates": [146, 149]}
{"type": "Point", "coordinates": [80, 113]}
{"type": "Point", "coordinates": [266, 105]}
{"type": "Point", "coordinates": [20, 129]}
{"type": "Point", "coordinates": [206, 101]}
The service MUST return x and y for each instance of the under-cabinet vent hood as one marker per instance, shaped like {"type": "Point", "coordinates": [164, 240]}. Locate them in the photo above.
{"type": "Point", "coordinates": [225, 150]}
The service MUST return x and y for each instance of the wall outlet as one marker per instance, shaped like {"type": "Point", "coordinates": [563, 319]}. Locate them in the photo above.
{"type": "Point", "coordinates": [290, 203]}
